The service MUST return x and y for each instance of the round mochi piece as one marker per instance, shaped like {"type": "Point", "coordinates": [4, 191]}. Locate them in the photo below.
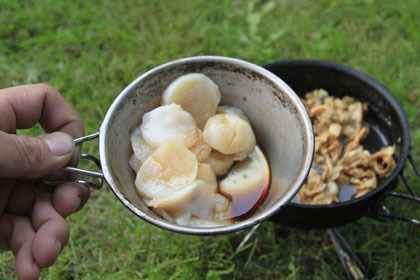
{"type": "Point", "coordinates": [170, 168]}
{"type": "Point", "coordinates": [197, 198]}
{"type": "Point", "coordinates": [201, 149]}
{"type": "Point", "coordinates": [205, 173]}
{"type": "Point", "coordinates": [225, 109]}
{"type": "Point", "coordinates": [135, 163]}
{"type": "Point", "coordinates": [247, 183]}
{"type": "Point", "coordinates": [247, 175]}
{"type": "Point", "coordinates": [141, 149]}
{"type": "Point", "coordinates": [219, 162]}
{"type": "Point", "coordinates": [230, 135]}
{"type": "Point", "coordinates": [169, 122]}
{"type": "Point", "coordinates": [196, 93]}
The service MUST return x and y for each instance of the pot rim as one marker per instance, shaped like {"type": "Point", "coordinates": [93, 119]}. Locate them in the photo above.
{"type": "Point", "coordinates": [255, 218]}
{"type": "Point", "coordinates": [390, 98]}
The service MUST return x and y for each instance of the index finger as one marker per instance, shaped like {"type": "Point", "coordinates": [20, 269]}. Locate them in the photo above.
{"type": "Point", "coordinates": [22, 107]}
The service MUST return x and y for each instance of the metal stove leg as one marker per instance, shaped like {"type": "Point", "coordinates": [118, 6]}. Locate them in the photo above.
{"type": "Point", "coordinates": [353, 266]}
{"type": "Point", "coordinates": [407, 185]}
{"type": "Point", "coordinates": [414, 164]}
{"type": "Point", "coordinates": [416, 170]}
{"type": "Point", "coordinates": [247, 237]}
{"type": "Point", "coordinates": [387, 214]}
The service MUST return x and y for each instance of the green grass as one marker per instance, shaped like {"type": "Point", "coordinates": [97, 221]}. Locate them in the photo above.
{"type": "Point", "coordinates": [90, 50]}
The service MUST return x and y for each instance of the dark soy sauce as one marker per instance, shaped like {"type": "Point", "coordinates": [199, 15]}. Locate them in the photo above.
{"type": "Point", "coordinates": [245, 203]}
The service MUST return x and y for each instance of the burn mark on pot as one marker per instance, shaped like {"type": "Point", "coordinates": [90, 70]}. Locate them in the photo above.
{"type": "Point", "coordinates": [213, 65]}
{"type": "Point", "coordinates": [285, 103]}
{"type": "Point", "coordinates": [134, 101]}
{"type": "Point", "coordinates": [164, 77]}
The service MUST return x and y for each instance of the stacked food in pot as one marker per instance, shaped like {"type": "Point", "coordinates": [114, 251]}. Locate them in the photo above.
{"type": "Point", "coordinates": [196, 162]}
{"type": "Point", "coordinates": [340, 160]}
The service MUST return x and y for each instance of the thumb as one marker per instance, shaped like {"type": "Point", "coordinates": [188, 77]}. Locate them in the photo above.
{"type": "Point", "coordinates": [22, 156]}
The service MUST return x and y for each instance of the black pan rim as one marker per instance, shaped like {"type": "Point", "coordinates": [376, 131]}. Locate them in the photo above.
{"type": "Point", "coordinates": [405, 137]}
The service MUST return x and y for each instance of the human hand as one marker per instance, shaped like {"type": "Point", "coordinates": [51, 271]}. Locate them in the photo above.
{"type": "Point", "coordinates": [32, 222]}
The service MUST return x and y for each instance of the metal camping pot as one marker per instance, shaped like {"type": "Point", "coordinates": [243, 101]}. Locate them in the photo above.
{"type": "Point", "coordinates": [279, 119]}
{"type": "Point", "coordinates": [388, 126]}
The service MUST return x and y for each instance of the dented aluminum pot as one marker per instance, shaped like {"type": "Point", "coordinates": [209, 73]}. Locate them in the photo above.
{"type": "Point", "coordinates": [279, 119]}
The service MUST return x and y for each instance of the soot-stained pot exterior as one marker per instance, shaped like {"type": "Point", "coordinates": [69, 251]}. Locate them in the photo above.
{"type": "Point", "coordinates": [388, 125]}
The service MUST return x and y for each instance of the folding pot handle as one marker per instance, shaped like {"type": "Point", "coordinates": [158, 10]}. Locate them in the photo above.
{"type": "Point", "coordinates": [96, 174]}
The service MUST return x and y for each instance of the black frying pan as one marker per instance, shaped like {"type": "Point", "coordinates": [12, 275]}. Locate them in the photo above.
{"type": "Point", "coordinates": [388, 126]}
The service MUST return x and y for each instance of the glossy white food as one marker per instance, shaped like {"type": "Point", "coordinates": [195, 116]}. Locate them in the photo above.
{"type": "Point", "coordinates": [169, 122]}
{"type": "Point", "coordinates": [196, 93]}
{"type": "Point", "coordinates": [246, 183]}
{"type": "Point", "coordinates": [176, 163]}
{"type": "Point", "coordinates": [230, 135]}
{"type": "Point", "coordinates": [164, 173]}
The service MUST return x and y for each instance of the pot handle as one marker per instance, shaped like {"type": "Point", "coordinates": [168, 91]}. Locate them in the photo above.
{"type": "Point", "coordinates": [95, 174]}
{"type": "Point", "coordinates": [385, 213]}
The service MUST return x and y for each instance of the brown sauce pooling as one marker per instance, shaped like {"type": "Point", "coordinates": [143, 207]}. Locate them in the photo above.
{"type": "Point", "coordinates": [246, 185]}
{"type": "Point", "coordinates": [243, 204]}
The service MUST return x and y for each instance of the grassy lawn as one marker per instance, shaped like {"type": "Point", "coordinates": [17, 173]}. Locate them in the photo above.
{"type": "Point", "coordinates": [90, 50]}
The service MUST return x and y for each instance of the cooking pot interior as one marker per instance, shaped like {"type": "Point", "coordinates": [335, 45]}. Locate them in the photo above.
{"type": "Point", "coordinates": [278, 118]}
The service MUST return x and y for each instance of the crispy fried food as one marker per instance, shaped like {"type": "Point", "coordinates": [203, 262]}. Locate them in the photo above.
{"type": "Point", "coordinates": [383, 163]}
{"type": "Point", "coordinates": [339, 158]}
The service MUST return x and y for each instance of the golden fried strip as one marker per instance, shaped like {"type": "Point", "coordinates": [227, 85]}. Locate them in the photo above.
{"type": "Point", "coordinates": [339, 158]}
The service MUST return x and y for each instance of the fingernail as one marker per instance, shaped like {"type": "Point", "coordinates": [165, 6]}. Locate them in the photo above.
{"type": "Point", "coordinates": [59, 143]}
{"type": "Point", "coordinates": [77, 205]}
